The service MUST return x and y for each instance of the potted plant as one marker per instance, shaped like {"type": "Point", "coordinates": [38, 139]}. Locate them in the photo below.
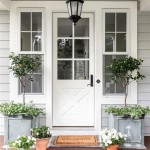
{"type": "Point", "coordinates": [125, 70]}
{"type": "Point", "coordinates": [22, 142]}
{"type": "Point", "coordinates": [111, 139]}
{"type": "Point", "coordinates": [21, 114]}
{"type": "Point", "coordinates": [42, 135]}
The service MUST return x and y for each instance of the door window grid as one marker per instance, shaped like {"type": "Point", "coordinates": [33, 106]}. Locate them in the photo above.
{"type": "Point", "coordinates": [79, 63]}
{"type": "Point", "coordinates": [111, 51]}
{"type": "Point", "coordinates": [35, 24]}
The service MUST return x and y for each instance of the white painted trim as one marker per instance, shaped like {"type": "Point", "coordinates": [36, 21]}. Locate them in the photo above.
{"type": "Point", "coordinates": [16, 32]}
{"type": "Point", "coordinates": [131, 51]}
{"type": "Point", "coordinates": [89, 6]}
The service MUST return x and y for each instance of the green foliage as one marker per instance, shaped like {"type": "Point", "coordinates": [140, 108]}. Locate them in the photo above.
{"type": "Point", "coordinates": [122, 70]}
{"type": "Point", "coordinates": [24, 65]}
{"type": "Point", "coordinates": [41, 132]}
{"type": "Point", "coordinates": [25, 142]}
{"type": "Point", "coordinates": [135, 112]}
{"type": "Point", "coordinates": [23, 68]}
{"type": "Point", "coordinates": [125, 71]}
{"type": "Point", "coordinates": [13, 109]}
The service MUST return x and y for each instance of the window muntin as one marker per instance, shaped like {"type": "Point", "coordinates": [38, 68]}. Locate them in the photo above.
{"type": "Point", "coordinates": [73, 49]}
{"type": "Point", "coordinates": [115, 46]}
{"type": "Point", "coordinates": [31, 31]}
{"type": "Point", "coordinates": [31, 43]}
{"type": "Point", "coordinates": [115, 32]}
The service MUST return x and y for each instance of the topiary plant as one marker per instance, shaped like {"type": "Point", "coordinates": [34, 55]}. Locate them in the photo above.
{"type": "Point", "coordinates": [23, 68]}
{"type": "Point", "coordinates": [125, 71]}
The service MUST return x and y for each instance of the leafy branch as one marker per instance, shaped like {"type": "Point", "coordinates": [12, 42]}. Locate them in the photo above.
{"type": "Point", "coordinates": [23, 68]}
{"type": "Point", "coordinates": [125, 71]}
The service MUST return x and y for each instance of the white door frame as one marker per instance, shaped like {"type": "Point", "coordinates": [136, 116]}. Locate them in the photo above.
{"type": "Point", "coordinates": [91, 46]}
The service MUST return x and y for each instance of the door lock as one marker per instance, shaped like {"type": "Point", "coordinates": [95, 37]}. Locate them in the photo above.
{"type": "Point", "coordinates": [98, 81]}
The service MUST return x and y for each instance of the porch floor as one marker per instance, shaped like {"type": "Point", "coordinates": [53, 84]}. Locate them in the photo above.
{"type": "Point", "coordinates": [146, 139]}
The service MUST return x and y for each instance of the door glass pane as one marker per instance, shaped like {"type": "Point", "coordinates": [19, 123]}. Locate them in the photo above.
{"type": "Point", "coordinates": [64, 69]}
{"type": "Point", "coordinates": [121, 22]}
{"type": "Point", "coordinates": [109, 42]}
{"type": "Point", "coordinates": [81, 48]}
{"type": "Point", "coordinates": [64, 27]}
{"type": "Point", "coordinates": [81, 69]}
{"type": "Point", "coordinates": [64, 48]}
{"type": "Point", "coordinates": [37, 83]}
{"type": "Point", "coordinates": [26, 41]}
{"type": "Point", "coordinates": [25, 21]}
{"type": "Point", "coordinates": [82, 28]}
{"type": "Point", "coordinates": [36, 41]}
{"type": "Point", "coordinates": [36, 21]}
{"type": "Point", "coordinates": [110, 22]}
{"type": "Point", "coordinates": [121, 42]}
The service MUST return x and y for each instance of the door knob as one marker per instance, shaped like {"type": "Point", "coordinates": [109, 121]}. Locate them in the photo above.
{"type": "Point", "coordinates": [98, 81]}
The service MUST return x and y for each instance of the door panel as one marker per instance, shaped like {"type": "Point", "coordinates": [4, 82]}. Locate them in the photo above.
{"type": "Point", "coordinates": [73, 63]}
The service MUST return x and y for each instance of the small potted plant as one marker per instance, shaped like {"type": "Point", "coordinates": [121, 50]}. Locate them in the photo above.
{"type": "Point", "coordinates": [111, 139]}
{"type": "Point", "coordinates": [22, 142]}
{"type": "Point", "coordinates": [22, 67]}
{"type": "Point", "coordinates": [42, 135]}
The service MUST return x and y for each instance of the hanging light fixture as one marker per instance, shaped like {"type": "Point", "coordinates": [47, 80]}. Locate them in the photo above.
{"type": "Point", "coordinates": [74, 9]}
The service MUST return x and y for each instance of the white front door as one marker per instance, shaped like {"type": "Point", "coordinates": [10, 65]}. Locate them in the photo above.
{"type": "Point", "coordinates": [73, 71]}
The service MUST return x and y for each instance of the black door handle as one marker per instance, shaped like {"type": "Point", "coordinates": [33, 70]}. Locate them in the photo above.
{"type": "Point", "coordinates": [91, 81]}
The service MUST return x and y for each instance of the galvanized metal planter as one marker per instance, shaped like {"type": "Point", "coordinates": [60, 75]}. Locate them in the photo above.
{"type": "Point", "coordinates": [18, 125]}
{"type": "Point", "coordinates": [134, 128]}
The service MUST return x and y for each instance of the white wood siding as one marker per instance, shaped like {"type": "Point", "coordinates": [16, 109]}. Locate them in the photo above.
{"type": "Point", "coordinates": [143, 53]}
{"type": "Point", "coordinates": [4, 62]}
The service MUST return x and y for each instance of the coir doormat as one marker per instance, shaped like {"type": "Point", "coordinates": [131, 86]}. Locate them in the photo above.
{"type": "Point", "coordinates": [69, 140]}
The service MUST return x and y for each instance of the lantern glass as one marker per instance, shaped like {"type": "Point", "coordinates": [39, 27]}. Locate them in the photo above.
{"type": "Point", "coordinates": [74, 7]}
{"type": "Point", "coordinates": [69, 8]}
{"type": "Point", "coordinates": [79, 8]}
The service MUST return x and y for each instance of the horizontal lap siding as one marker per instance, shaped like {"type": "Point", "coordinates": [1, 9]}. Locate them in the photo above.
{"type": "Point", "coordinates": [4, 62]}
{"type": "Point", "coordinates": [143, 53]}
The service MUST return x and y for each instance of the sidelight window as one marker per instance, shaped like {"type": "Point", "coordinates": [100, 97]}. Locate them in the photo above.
{"type": "Point", "coordinates": [31, 43]}
{"type": "Point", "coordinates": [115, 46]}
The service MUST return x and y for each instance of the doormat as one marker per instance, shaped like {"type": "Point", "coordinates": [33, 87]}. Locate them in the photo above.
{"type": "Point", "coordinates": [70, 140]}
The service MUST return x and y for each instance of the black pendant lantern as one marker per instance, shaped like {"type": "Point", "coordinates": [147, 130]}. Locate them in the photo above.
{"type": "Point", "coordinates": [74, 9]}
